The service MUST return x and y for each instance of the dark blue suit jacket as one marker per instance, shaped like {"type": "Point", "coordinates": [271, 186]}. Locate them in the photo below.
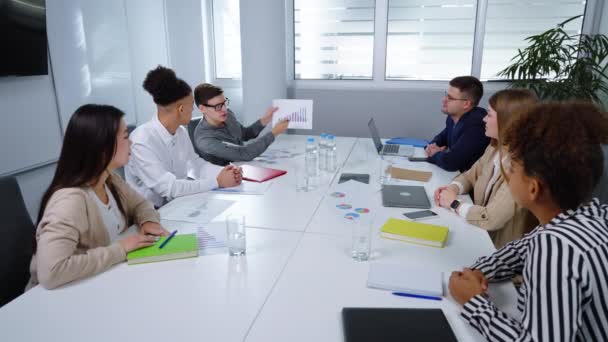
{"type": "Point", "coordinates": [466, 141]}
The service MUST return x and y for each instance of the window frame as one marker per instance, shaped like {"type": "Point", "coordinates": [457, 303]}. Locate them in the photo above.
{"type": "Point", "coordinates": [591, 19]}
{"type": "Point", "coordinates": [210, 51]}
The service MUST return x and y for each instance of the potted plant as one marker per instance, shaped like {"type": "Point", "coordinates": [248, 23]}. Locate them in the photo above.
{"type": "Point", "coordinates": [560, 66]}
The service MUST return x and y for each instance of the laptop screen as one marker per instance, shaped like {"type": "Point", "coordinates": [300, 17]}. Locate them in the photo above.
{"type": "Point", "coordinates": [375, 136]}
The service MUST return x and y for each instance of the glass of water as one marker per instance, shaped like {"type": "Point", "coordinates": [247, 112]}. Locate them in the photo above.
{"type": "Point", "coordinates": [302, 179]}
{"type": "Point", "coordinates": [385, 170]}
{"type": "Point", "coordinates": [362, 234]}
{"type": "Point", "coordinates": [236, 234]}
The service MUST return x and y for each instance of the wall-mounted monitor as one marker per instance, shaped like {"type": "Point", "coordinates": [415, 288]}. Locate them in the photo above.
{"type": "Point", "coordinates": [23, 40]}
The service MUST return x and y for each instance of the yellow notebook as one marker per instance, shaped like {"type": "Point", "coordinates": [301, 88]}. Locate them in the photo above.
{"type": "Point", "coordinates": [415, 232]}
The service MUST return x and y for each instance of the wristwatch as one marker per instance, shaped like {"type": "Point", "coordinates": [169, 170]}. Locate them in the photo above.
{"type": "Point", "coordinates": [455, 204]}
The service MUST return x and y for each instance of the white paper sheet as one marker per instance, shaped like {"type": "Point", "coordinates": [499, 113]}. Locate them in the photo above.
{"type": "Point", "coordinates": [197, 210]}
{"type": "Point", "coordinates": [299, 113]}
{"type": "Point", "coordinates": [399, 278]}
{"type": "Point", "coordinates": [246, 188]}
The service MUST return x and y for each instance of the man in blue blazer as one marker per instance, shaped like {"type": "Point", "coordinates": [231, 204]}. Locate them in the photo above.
{"type": "Point", "coordinates": [463, 140]}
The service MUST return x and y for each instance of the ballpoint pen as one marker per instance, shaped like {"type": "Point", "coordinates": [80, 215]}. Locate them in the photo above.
{"type": "Point", "coordinates": [401, 294]}
{"type": "Point", "coordinates": [168, 239]}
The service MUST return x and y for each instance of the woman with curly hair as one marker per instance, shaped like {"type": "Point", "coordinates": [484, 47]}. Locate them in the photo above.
{"type": "Point", "coordinates": [555, 162]}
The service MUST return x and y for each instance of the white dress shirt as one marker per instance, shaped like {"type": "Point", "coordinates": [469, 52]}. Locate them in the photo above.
{"type": "Point", "coordinates": [164, 166]}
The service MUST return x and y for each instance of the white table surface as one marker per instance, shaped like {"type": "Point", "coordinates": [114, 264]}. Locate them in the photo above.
{"type": "Point", "coordinates": [209, 298]}
{"type": "Point", "coordinates": [291, 286]}
{"type": "Point", "coordinates": [281, 207]}
{"type": "Point", "coordinates": [321, 278]}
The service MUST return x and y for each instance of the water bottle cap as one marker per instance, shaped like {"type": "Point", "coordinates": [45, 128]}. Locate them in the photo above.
{"type": "Point", "coordinates": [331, 137]}
{"type": "Point", "coordinates": [310, 139]}
{"type": "Point", "coordinates": [323, 135]}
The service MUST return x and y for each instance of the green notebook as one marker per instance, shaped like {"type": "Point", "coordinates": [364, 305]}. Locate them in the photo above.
{"type": "Point", "coordinates": [415, 232]}
{"type": "Point", "coordinates": [181, 246]}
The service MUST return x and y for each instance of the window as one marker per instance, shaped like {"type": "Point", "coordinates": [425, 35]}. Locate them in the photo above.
{"type": "Point", "coordinates": [429, 39]}
{"type": "Point", "coordinates": [419, 39]}
{"type": "Point", "coordinates": [227, 39]}
{"type": "Point", "coordinates": [333, 39]}
{"type": "Point", "coordinates": [508, 23]}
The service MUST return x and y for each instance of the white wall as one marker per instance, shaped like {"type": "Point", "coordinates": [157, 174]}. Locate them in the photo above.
{"type": "Point", "coordinates": [89, 48]}
{"type": "Point", "coordinates": [25, 100]}
{"type": "Point", "coordinates": [185, 36]}
{"type": "Point", "coordinates": [263, 55]}
{"type": "Point", "coordinates": [102, 51]}
{"type": "Point", "coordinates": [30, 133]}
{"type": "Point", "coordinates": [148, 48]}
{"type": "Point", "coordinates": [414, 112]}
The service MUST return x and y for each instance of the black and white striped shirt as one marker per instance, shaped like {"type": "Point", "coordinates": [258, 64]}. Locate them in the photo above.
{"type": "Point", "coordinates": [564, 295]}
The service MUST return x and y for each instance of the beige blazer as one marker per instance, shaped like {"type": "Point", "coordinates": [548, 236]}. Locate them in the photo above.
{"type": "Point", "coordinates": [498, 214]}
{"type": "Point", "coordinates": [72, 240]}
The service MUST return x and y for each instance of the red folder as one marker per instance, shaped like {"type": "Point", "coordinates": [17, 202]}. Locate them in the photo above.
{"type": "Point", "coordinates": [260, 174]}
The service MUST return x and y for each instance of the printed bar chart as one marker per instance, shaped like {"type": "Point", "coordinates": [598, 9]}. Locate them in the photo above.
{"type": "Point", "coordinates": [298, 112]}
{"type": "Point", "coordinates": [299, 116]}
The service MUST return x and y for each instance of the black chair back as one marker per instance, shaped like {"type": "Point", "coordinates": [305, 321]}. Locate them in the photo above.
{"type": "Point", "coordinates": [601, 191]}
{"type": "Point", "coordinates": [191, 127]}
{"type": "Point", "coordinates": [17, 235]}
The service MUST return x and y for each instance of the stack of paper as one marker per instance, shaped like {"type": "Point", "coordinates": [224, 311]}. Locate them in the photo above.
{"type": "Point", "coordinates": [404, 279]}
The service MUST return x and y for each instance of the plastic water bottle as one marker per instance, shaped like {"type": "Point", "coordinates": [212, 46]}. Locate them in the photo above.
{"type": "Point", "coordinates": [323, 152]}
{"type": "Point", "coordinates": [311, 161]}
{"type": "Point", "coordinates": [332, 156]}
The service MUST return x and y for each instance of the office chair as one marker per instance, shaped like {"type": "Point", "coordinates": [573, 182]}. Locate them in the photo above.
{"type": "Point", "coordinates": [191, 127]}
{"type": "Point", "coordinates": [17, 233]}
{"type": "Point", "coordinates": [601, 191]}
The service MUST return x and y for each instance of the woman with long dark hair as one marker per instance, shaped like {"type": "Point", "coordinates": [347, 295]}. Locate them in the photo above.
{"type": "Point", "coordinates": [87, 206]}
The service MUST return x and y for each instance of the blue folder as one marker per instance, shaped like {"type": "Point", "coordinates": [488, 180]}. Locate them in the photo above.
{"type": "Point", "coordinates": [408, 141]}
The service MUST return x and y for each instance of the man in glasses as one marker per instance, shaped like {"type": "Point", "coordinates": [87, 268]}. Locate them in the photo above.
{"type": "Point", "coordinates": [220, 139]}
{"type": "Point", "coordinates": [463, 139]}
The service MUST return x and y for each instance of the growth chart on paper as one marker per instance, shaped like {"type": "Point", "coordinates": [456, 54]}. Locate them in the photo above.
{"type": "Point", "coordinates": [299, 113]}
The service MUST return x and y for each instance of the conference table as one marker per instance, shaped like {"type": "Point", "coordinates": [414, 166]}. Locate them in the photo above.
{"type": "Point", "coordinates": [291, 285]}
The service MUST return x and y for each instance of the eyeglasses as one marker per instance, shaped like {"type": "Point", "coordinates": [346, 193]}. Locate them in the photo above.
{"type": "Point", "coordinates": [219, 106]}
{"type": "Point", "coordinates": [453, 98]}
